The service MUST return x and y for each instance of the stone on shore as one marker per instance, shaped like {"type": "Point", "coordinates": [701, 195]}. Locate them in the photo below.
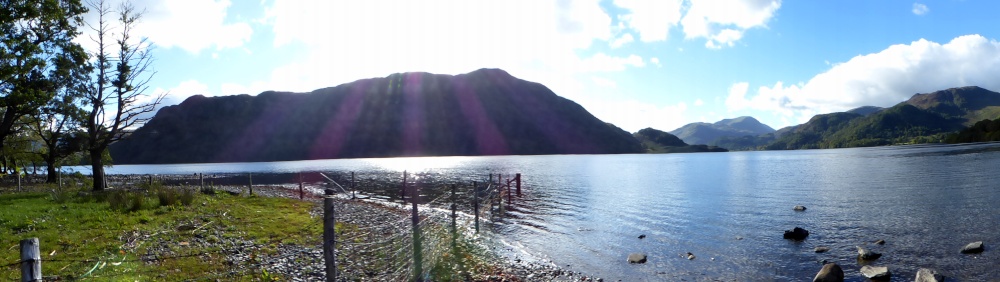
{"type": "Point", "coordinates": [636, 258]}
{"type": "Point", "coordinates": [690, 256]}
{"type": "Point", "coordinates": [865, 254]}
{"type": "Point", "coordinates": [831, 272]}
{"type": "Point", "coordinates": [875, 272]}
{"type": "Point", "coordinates": [973, 248]}
{"type": "Point", "coordinates": [821, 249]}
{"type": "Point", "coordinates": [928, 275]}
{"type": "Point", "coordinates": [799, 208]}
{"type": "Point", "coordinates": [797, 234]}
{"type": "Point", "coordinates": [642, 236]}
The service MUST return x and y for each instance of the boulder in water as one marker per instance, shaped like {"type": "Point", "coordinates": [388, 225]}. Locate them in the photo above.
{"type": "Point", "coordinates": [796, 234]}
{"type": "Point", "coordinates": [831, 272]}
{"type": "Point", "coordinates": [880, 242]}
{"type": "Point", "coordinates": [928, 275]}
{"type": "Point", "coordinates": [799, 208]}
{"type": "Point", "coordinates": [821, 249]}
{"type": "Point", "coordinates": [973, 248]}
{"type": "Point", "coordinates": [865, 254]}
{"type": "Point", "coordinates": [875, 272]}
{"type": "Point", "coordinates": [637, 258]}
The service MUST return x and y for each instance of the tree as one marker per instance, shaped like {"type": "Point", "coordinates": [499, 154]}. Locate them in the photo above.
{"type": "Point", "coordinates": [34, 37]}
{"type": "Point", "coordinates": [116, 95]}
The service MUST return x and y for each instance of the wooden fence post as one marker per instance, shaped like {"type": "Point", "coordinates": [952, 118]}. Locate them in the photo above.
{"type": "Point", "coordinates": [31, 260]}
{"type": "Point", "coordinates": [329, 236]}
{"type": "Point", "coordinates": [250, 186]}
{"type": "Point", "coordinates": [417, 244]}
{"type": "Point", "coordinates": [510, 200]}
{"type": "Point", "coordinates": [353, 188]}
{"type": "Point", "coordinates": [201, 181]}
{"type": "Point", "coordinates": [402, 190]}
{"type": "Point", "coordinates": [475, 203]}
{"type": "Point", "coordinates": [59, 174]}
{"type": "Point", "coordinates": [302, 193]}
{"type": "Point", "coordinates": [18, 179]}
{"type": "Point", "coordinates": [454, 215]}
{"type": "Point", "coordinates": [517, 179]}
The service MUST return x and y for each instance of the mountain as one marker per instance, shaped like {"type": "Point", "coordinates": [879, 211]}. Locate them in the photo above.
{"type": "Point", "coordinates": [656, 141]}
{"type": "Point", "coordinates": [708, 133]}
{"type": "Point", "coordinates": [969, 104]}
{"type": "Point", "coordinates": [983, 131]}
{"type": "Point", "coordinates": [865, 110]}
{"type": "Point", "coordinates": [484, 112]}
{"type": "Point", "coordinates": [903, 123]}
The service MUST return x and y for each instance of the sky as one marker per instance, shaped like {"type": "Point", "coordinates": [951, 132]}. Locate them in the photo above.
{"type": "Point", "coordinates": [633, 63]}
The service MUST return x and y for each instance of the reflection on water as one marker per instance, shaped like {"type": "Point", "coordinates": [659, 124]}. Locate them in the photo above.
{"type": "Point", "coordinates": [729, 209]}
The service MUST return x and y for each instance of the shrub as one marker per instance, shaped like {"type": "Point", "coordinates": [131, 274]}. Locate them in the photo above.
{"type": "Point", "coordinates": [125, 201]}
{"type": "Point", "coordinates": [187, 196]}
{"type": "Point", "coordinates": [208, 190]}
{"type": "Point", "coordinates": [167, 197]}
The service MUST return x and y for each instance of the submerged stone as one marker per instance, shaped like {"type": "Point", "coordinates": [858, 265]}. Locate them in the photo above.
{"type": "Point", "coordinates": [973, 248]}
{"type": "Point", "coordinates": [831, 272]}
{"type": "Point", "coordinates": [796, 234]}
{"type": "Point", "coordinates": [637, 258]}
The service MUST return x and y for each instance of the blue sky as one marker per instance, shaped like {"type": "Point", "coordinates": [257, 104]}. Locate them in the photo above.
{"type": "Point", "coordinates": [634, 63]}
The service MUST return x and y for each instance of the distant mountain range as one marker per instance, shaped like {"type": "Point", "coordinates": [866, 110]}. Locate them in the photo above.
{"type": "Point", "coordinates": [656, 141]}
{"type": "Point", "coordinates": [484, 112]}
{"type": "Point", "coordinates": [490, 112]}
{"type": "Point", "coordinates": [709, 133]}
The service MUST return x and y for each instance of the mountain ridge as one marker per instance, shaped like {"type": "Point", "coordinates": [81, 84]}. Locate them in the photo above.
{"type": "Point", "coordinates": [484, 112]}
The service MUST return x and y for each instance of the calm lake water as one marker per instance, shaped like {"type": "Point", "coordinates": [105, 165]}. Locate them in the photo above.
{"type": "Point", "coordinates": [728, 209]}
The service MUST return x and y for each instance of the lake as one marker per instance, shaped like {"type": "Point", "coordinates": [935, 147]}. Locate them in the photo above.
{"type": "Point", "coordinates": [585, 212]}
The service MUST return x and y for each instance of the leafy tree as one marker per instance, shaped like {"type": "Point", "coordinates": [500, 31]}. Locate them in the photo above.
{"type": "Point", "coordinates": [116, 96]}
{"type": "Point", "coordinates": [35, 49]}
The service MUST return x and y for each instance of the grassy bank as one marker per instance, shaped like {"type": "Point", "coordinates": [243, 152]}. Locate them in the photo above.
{"type": "Point", "coordinates": [156, 234]}
{"type": "Point", "coordinates": [177, 234]}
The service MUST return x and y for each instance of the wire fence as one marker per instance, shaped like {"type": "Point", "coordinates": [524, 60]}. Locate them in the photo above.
{"type": "Point", "coordinates": [396, 246]}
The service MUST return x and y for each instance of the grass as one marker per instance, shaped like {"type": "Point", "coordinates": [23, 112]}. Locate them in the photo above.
{"type": "Point", "coordinates": [84, 236]}
{"type": "Point", "coordinates": [103, 236]}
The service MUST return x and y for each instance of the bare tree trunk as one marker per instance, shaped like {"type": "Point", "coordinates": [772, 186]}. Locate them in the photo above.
{"type": "Point", "coordinates": [50, 173]}
{"type": "Point", "coordinates": [97, 167]}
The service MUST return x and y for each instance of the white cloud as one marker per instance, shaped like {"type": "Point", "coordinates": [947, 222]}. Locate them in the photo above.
{"type": "Point", "coordinates": [881, 79]}
{"type": "Point", "coordinates": [722, 22]}
{"type": "Point", "coordinates": [698, 102]}
{"type": "Point", "coordinates": [920, 9]}
{"type": "Point", "coordinates": [191, 25]}
{"type": "Point", "coordinates": [652, 19]}
{"type": "Point", "coordinates": [655, 61]}
{"type": "Point", "coordinates": [632, 115]}
{"type": "Point", "coordinates": [348, 40]}
{"type": "Point", "coordinates": [182, 91]}
{"type": "Point", "coordinates": [604, 63]}
{"type": "Point", "coordinates": [621, 41]}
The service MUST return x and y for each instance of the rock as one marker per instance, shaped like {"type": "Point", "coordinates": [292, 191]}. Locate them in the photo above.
{"type": "Point", "coordinates": [865, 254]}
{"type": "Point", "coordinates": [186, 227]}
{"type": "Point", "coordinates": [880, 242]}
{"type": "Point", "coordinates": [831, 272]}
{"type": "Point", "coordinates": [799, 208]}
{"type": "Point", "coordinates": [796, 234]}
{"type": "Point", "coordinates": [690, 256]}
{"type": "Point", "coordinates": [875, 272]}
{"type": "Point", "coordinates": [636, 258]}
{"type": "Point", "coordinates": [821, 249]}
{"type": "Point", "coordinates": [928, 275]}
{"type": "Point", "coordinates": [643, 236]}
{"type": "Point", "coordinates": [973, 248]}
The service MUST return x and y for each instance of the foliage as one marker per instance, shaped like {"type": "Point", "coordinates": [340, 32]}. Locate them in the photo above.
{"type": "Point", "coordinates": [125, 201]}
{"type": "Point", "coordinates": [36, 53]}
{"type": "Point", "coordinates": [983, 131]}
